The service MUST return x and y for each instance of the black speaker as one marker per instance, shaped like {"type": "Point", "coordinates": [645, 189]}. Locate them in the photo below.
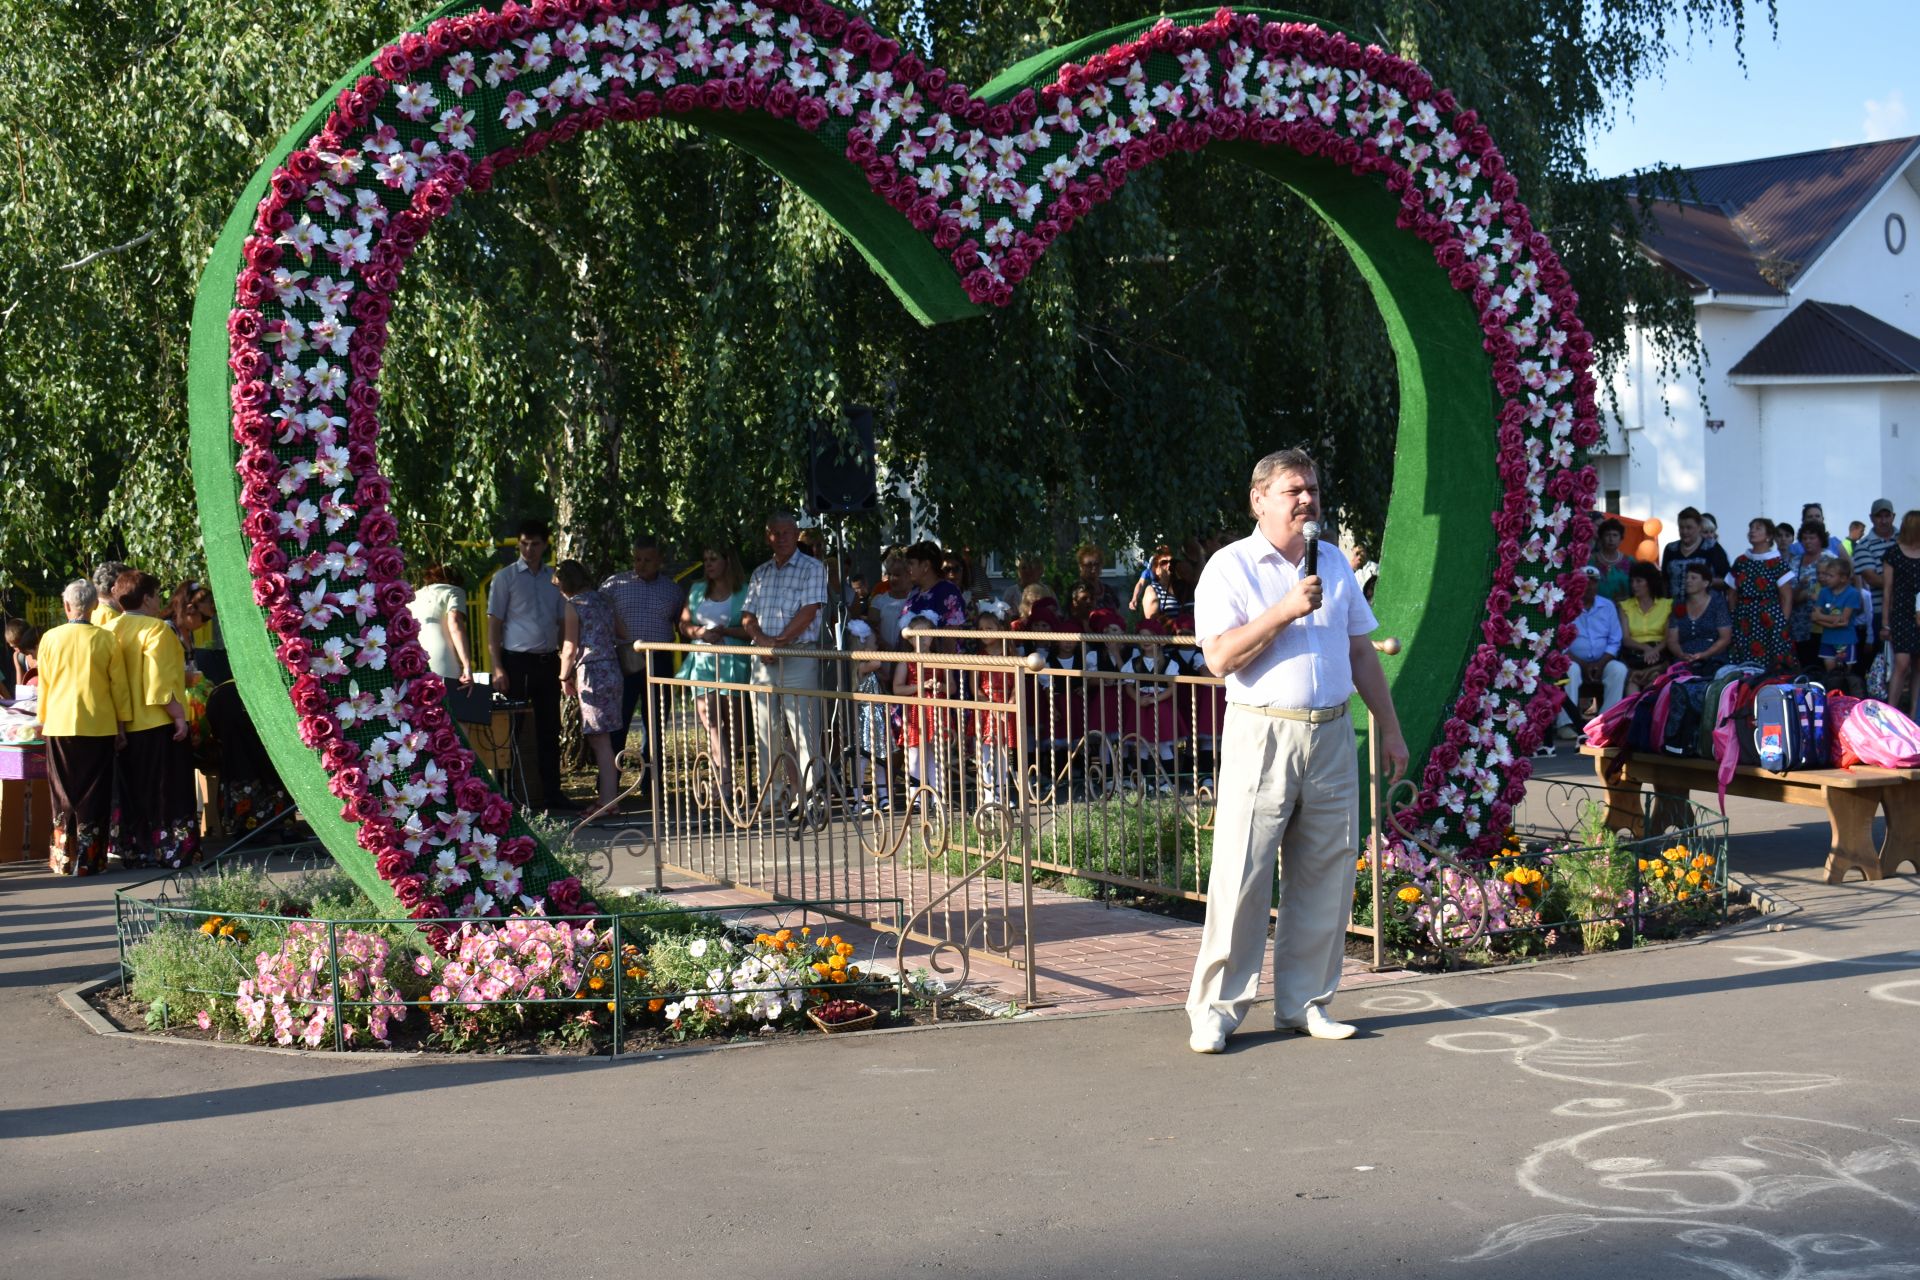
{"type": "Point", "coordinates": [840, 463]}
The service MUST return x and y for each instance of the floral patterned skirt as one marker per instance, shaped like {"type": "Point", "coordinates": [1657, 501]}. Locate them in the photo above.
{"type": "Point", "coordinates": [159, 819]}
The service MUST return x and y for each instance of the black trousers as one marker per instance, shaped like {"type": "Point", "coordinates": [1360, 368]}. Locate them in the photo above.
{"type": "Point", "coordinates": [633, 686]}
{"type": "Point", "coordinates": [536, 677]}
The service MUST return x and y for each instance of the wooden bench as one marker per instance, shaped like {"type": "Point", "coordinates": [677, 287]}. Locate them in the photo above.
{"type": "Point", "coordinates": [1850, 797]}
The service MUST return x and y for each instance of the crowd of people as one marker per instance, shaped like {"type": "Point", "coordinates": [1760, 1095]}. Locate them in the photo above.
{"type": "Point", "coordinates": [116, 687]}
{"type": "Point", "coordinates": [112, 687]}
{"type": "Point", "coordinates": [1796, 599]}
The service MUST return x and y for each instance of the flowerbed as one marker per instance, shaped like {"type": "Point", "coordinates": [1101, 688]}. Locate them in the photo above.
{"type": "Point", "coordinates": [308, 966]}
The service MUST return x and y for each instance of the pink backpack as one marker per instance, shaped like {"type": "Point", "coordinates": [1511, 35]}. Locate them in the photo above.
{"type": "Point", "coordinates": [1864, 731]}
{"type": "Point", "coordinates": [1609, 728]}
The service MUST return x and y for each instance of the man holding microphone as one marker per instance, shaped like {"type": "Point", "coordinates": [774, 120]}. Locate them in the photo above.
{"type": "Point", "coordinates": [1293, 646]}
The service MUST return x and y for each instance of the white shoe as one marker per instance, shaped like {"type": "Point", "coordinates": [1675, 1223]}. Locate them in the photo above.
{"type": "Point", "coordinates": [1208, 1037]}
{"type": "Point", "coordinates": [1317, 1024]}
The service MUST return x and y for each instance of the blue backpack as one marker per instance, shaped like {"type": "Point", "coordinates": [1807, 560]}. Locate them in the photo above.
{"type": "Point", "coordinates": [1790, 726]}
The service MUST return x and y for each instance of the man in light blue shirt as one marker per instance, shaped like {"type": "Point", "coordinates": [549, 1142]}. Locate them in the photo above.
{"type": "Point", "coordinates": [1595, 650]}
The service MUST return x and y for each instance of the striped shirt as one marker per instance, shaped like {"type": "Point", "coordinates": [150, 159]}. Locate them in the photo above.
{"type": "Point", "coordinates": [1870, 555]}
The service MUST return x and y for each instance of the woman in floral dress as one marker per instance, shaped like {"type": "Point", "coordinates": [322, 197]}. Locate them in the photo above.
{"type": "Point", "coordinates": [1761, 601]}
{"type": "Point", "coordinates": [590, 670]}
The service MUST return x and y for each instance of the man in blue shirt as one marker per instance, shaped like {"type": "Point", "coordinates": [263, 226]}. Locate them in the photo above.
{"type": "Point", "coordinates": [1596, 648]}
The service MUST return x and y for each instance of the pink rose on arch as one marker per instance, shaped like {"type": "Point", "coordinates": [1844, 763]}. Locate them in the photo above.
{"type": "Point", "coordinates": [287, 619]}
{"type": "Point", "coordinates": [518, 851]}
{"type": "Point", "coordinates": [566, 896]}
{"type": "Point", "coordinates": [384, 564]}
{"type": "Point", "coordinates": [347, 783]}
{"type": "Point", "coordinates": [472, 795]}
{"type": "Point", "coordinates": [411, 890]}
{"type": "Point", "coordinates": [339, 754]}
{"type": "Point", "coordinates": [393, 596]}
{"type": "Point", "coordinates": [457, 765]}
{"type": "Point", "coordinates": [359, 808]}
{"type": "Point", "coordinates": [1446, 755]}
{"type": "Point", "coordinates": [402, 627]}
{"type": "Point", "coordinates": [496, 814]}
{"type": "Point", "coordinates": [810, 114]}
{"type": "Point", "coordinates": [267, 559]}
{"type": "Point", "coordinates": [309, 696]}
{"type": "Point", "coordinates": [378, 834]}
{"type": "Point", "coordinates": [407, 662]}
{"type": "Point", "coordinates": [393, 863]}
{"type": "Point", "coordinates": [379, 529]}
{"type": "Point", "coordinates": [1499, 600]}
{"type": "Point", "coordinates": [372, 491]}
{"type": "Point", "coordinates": [445, 742]}
{"type": "Point", "coordinates": [317, 731]}
{"type": "Point", "coordinates": [295, 653]}
{"type": "Point", "coordinates": [1554, 665]}
{"type": "Point", "coordinates": [1497, 630]}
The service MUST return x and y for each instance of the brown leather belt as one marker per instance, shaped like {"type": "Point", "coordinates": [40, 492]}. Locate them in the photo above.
{"type": "Point", "coordinates": [1311, 715]}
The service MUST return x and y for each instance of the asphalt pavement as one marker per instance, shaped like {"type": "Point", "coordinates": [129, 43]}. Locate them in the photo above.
{"type": "Point", "coordinates": [1743, 1107]}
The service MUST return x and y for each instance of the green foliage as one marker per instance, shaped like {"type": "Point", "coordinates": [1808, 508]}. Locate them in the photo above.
{"type": "Point", "coordinates": [637, 330]}
{"type": "Point", "coordinates": [177, 971]}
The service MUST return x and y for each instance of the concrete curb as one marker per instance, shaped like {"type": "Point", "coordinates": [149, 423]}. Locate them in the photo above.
{"type": "Point", "coordinates": [75, 1000]}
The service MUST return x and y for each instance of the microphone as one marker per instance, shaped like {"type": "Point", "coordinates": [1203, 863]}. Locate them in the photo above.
{"type": "Point", "coordinates": [1311, 531]}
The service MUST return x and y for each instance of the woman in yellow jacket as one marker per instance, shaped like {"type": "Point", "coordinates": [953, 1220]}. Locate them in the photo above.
{"type": "Point", "coordinates": [83, 706]}
{"type": "Point", "coordinates": [158, 813]}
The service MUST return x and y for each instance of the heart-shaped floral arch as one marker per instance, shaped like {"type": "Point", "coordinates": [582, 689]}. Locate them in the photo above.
{"type": "Point", "coordinates": [952, 195]}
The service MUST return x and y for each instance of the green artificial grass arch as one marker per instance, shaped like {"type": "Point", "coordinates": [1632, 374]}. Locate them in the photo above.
{"type": "Point", "coordinates": [1438, 538]}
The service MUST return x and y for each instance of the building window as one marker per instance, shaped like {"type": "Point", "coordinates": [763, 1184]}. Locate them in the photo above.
{"type": "Point", "coordinates": [1896, 231]}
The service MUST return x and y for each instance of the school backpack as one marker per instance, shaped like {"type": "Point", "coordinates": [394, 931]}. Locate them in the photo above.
{"type": "Point", "coordinates": [1647, 729]}
{"type": "Point", "coordinates": [1723, 698]}
{"type": "Point", "coordinates": [1685, 712]}
{"type": "Point", "coordinates": [1790, 726]}
{"type": "Point", "coordinates": [1609, 728]}
{"type": "Point", "coordinates": [1733, 738]}
{"type": "Point", "coordinates": [1866, 731]}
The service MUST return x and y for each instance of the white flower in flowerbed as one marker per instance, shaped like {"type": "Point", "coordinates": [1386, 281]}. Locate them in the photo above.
{"type": "Point", "coordinates": [773, 977]}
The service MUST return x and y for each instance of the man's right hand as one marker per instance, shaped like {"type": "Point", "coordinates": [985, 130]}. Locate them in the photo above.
{"type": "Point", "coordinates": [1303, 599]}
{"type": "Point", "coordinates": [499, 679]}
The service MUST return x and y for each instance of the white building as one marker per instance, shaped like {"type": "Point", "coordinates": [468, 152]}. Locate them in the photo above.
{"type": "Point", "coordinates": [1806, 284]}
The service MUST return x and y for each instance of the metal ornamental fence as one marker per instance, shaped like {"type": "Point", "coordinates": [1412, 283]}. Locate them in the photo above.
{"type": "Point", "coordinates": [946, 779]}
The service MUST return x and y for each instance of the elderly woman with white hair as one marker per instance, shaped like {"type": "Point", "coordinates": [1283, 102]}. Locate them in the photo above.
{"type": "Point", "coordinates": [84, 707]}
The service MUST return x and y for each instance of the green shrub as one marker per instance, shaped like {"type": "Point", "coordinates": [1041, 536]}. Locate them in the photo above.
{"type": "Point", "coordinates": [180, 970]}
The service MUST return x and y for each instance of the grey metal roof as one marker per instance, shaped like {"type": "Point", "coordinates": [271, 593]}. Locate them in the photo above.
{"type": "Point", "coordinates": [1754, 226]}
{"type": "Point", "coordinates": [1828, 340]}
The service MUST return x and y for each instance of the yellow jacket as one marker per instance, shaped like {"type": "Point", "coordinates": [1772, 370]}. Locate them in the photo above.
{"type": "Point", "coordinates": [156, 668]}
{"type": "Point", "coordinates": [102, 614]}
{"type": "Point", "coordinates": [83, 683]}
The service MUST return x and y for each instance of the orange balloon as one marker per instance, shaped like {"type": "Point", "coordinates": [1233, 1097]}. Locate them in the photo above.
{"type": "Point", "coordinates": [1652, 527]}
{"type": "Point", "coordinates": [1648, 550]}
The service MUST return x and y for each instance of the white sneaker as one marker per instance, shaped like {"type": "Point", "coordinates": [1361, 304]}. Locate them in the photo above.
{"type": "Point", "coordinates": [1317, 1024]}
{"type": "Point", "coordinates": [1208, 1037]}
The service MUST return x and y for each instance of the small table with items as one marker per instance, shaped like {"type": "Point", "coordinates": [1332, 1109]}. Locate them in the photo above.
{"type": "Point", "coordinates": [26, 805]}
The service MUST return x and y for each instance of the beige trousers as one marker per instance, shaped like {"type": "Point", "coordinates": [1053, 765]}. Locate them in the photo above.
{"type": "Point", "coordinates": [1292, 790]}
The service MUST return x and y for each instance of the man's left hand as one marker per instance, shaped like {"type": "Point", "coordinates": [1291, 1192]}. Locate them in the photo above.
{"type": "Point", "coordinates": [1393, 748]}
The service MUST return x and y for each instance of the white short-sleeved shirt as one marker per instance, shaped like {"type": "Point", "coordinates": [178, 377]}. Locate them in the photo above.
{"type": "Point", "coordinates": [527, 604]}
{"type": "Point", "coordinates": [1308, 664]}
